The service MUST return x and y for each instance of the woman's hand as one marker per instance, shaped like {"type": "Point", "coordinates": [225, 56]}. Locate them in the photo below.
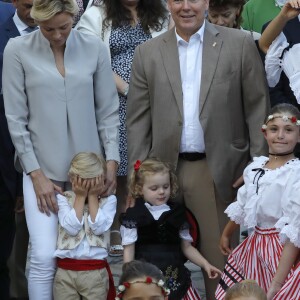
{"type": "Point", "coordinates": [111, 178]}
{"type": "Point", "coordinates": [45, 192]}
{"type": "Point", "coordinates": [212, 271]}
{"type": "Point", "coordinates": [224, 245]}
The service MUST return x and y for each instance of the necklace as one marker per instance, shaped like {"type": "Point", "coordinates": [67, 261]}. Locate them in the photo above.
{"type": "Point", "coordinates": [280, 154]}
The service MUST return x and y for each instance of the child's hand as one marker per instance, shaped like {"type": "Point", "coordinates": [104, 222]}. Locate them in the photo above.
{"type": "Point", "coordinates": [273, 289]}
{"type": "Point", "coordinates": [225, 245]}
{"type": "Point", "coordinates": [97, 186]}
{"type": "Point", "coordinates": [80, 186]}
{"type": "Point", "coordinates": [212, 271]}
{"type": "Point", "coordinates": [291, 9]}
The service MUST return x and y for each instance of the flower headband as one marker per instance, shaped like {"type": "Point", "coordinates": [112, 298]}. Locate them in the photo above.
{"type": "Point", "coordinates": [285, 118]}
{"type": "Point", "coordinates": [148, 280]}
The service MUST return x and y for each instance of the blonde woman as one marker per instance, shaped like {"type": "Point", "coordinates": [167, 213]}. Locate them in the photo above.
{"type": "Point", "coordinates": [60, 99]}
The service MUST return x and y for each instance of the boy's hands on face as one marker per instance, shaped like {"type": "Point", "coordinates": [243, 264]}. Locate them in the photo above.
{"type": "Point", "coordinates": [97, 186]}
{"type": "Point", "coordinates": [81, 186]}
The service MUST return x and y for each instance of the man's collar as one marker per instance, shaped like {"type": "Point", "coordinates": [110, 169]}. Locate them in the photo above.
{"type": "Point", "coordinates": [199, 33]}
{"type": "Point", "coordinates": [19, 23]}
{"type": "Point", "coordinates": [21, 26]}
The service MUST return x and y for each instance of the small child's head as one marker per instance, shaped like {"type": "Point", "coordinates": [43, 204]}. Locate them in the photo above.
{"type": "Point", "coordinates": [282, 129]}
{"type": "Point", "coordinates": [141, 280]}
{"type": "Point", "coordinates": [153, 180]}
{"type": "Point", "coordinates": [246, 290]}
{"type": "Point", "coordinates": [87, 165]}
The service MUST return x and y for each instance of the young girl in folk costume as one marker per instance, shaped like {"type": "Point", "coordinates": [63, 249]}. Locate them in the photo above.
{"type": "Point", "coordinates": [83, 235]}
{"type": "Point", "coordinates": [156, 229]}
{"type": "Point", "coordinates": [282, 289]}
{"type": "Point", "coordinates": [246, 290]}
{"type": "Point", "coordinates": [141, 280]}
{"type": "Point", "coordinates": [263, 199]}
{"type": "Point", "coordinates": [281, 53]}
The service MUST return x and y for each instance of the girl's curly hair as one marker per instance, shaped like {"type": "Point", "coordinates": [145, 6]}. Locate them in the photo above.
{"type": "Point", "coordinates": [148, 167]}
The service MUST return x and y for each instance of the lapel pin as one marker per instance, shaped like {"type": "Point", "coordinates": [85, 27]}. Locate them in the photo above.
{"type": "Point", "coordinates": [214, 44]}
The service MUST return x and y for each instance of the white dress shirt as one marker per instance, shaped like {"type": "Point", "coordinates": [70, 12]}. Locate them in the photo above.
{"type": "Point", "coordinates": [190, 57]}
{"type": "Point", "coordinates": [21, 26]}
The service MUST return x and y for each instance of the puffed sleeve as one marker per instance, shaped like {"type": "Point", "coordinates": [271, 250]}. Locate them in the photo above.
{"type": "Point", "coordinates": [185, 235]}
{"type": "Point", "coordinates": [291, 67]}
{"type": "Point", "coordinates": [291, 229]}
{"type": "Point", "coordinates": [128, 235]}
{"type": "Point", "coordinates": [273, 59]}
{"type": "Point", "coordinates": [235, 210]}
{"type": "Point", "coordinates": [243, 211]}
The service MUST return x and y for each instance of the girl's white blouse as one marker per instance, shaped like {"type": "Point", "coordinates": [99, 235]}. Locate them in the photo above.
{"type": "Point", "coordinates": [277, 60]}
{"type": "Point", "coordinates": [290, 226]}
{"type": "Point", "coordinates": [266, 198]}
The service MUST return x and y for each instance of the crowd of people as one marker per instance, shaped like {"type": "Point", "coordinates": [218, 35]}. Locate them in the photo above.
{"type": "Point", "coordinates": [150, 130]}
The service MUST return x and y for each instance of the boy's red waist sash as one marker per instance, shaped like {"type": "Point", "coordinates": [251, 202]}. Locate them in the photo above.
{"type": "Point", "coordinates": [88, 265]}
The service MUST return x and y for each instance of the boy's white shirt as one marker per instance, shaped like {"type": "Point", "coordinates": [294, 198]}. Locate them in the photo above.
{"type": "Point", "coordinates": [129, 235]}
{"type": "Point", "coordinates": [69, 221]}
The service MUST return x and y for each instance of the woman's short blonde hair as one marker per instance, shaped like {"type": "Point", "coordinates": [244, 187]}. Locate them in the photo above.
{"type": "Point", "coordinates": [246, 288]}
{"type": "Point", "coordinates": [87, 165]}
{"type": "Point", "coordinates": [43, 10]}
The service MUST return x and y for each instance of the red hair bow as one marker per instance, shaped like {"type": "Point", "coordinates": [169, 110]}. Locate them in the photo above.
{"type": "Point", "coordinates": [137, 165]}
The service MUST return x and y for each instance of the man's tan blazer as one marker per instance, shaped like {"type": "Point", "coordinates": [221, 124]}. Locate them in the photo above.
{"type": "Point", "coordinates": [233, 103]}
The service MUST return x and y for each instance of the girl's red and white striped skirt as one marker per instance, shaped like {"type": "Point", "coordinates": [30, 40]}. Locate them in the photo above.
{"type": "Point", "coordinates": [256, 258]}
{"type": "Point", "coordinates": [291, 289]}
{"type": "Point", "coordinates": [192, 294]}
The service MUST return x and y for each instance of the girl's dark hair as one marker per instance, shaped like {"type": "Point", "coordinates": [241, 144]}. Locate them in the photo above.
{"type": "Point", "coordinates": [138, 269]}
{"type": "Point", "coordinates": [221, 4]}
{"type": "Point", "coordinates": [151, 13]}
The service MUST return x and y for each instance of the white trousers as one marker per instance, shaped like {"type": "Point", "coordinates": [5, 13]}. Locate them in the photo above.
{"type": "Point", "coordinates": [43, 235]}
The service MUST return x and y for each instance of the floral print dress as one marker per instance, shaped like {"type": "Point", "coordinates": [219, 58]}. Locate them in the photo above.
{"type": "Point", "coordinates": [122, 42]}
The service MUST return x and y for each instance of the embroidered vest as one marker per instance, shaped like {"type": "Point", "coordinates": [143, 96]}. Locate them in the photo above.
{"type": "Point", "coordinates": [68, 242]}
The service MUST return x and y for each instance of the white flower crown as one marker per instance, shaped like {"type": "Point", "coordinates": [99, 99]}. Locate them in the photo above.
{"type": "Point", "coordinates": [148, 280]}
{"type": "Point", "coordinates": [285, 118]}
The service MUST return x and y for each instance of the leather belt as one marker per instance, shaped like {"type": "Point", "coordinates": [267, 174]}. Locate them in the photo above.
{"type": "Point", "coordinates": [192, 156]}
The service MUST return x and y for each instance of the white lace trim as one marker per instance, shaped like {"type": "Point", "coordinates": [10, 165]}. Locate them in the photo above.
{"type": "Point", "coordinates": [235, 213]}
{"type": "Point", "coordinates": [291, 233]}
